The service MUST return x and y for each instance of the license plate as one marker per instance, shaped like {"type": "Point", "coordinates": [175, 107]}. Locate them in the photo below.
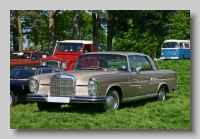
{"type": "Point", "coordinates": [58, 99]}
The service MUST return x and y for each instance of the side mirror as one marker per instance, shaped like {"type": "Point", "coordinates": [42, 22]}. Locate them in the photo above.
{"type": "Point", "coordinates": [138, 69]}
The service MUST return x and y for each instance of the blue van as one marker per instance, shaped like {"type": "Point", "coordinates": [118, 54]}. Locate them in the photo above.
{"type": "Point", "coordinates": [175, 49]}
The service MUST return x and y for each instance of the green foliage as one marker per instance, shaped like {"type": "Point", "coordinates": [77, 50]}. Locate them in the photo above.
{"type": "Point", "coordinates": [145, 31]}
{"type": "Point", "coordinates": [180, 26]}
{"type": "Point", "coordinates": [35, 26]}
{"type": "Point", "coordinates": [134, 30]}
{"type": "Point", "coordinates": [64, 25]}
{"type": "Point", "coordinates": [173, 114]}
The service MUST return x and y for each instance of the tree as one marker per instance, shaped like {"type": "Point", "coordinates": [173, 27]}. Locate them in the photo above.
{"type": "Point", "coordinates": [180, 25]}
{"type": "Point", "coordinates": [76, 25]}
{"type": "Point", "coordinates": [52, 14]}
{"type": "Point", "coordinates": [14, 30]}
{"type": "Point", "coordinates": [16, 22]}
{"type": "Point", "coordinates": [141, 30]}
{"type": "Point", "coordinates": [110, 29]}
{"type": "Point", "coordinates": [97, 16]}
{"type": "Point", "coordinates": [36, 28]}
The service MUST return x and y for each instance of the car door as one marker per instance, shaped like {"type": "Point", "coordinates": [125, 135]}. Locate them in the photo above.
{"type": "Point", "coordinates": [35, 59]}
{"type": "Point", "coordinates": [142, 80]}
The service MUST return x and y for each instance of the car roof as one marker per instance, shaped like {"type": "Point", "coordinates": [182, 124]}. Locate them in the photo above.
{"type": "Point", "coordinates": [116, 52]}
{"type": "Point", "coordinates": [76, 41]}
{"type": "Point", "coordinates": [176, 40]}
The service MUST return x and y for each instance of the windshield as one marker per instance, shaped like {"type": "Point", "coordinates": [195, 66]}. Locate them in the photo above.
{"type": "Point", "coordinates": [170, 45]}
{"type": "Point", "coordinates": [14, 71]}
{"type": "Point", "coordinates": [22, 72]}
{"type": "Point", "coordinates": [69, 47]}
{"type": "Point", "coordinates": [20, 55]}
{"type": "Point", "coordinates": [99, 61]}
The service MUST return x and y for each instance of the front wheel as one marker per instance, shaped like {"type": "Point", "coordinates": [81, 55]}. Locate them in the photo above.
{"type": "Point", "coordinates": [112, 101]}
{"type": "Point", "coordinates": [13, 98]}
{"type": "Point", "coordinates": [162, 94]}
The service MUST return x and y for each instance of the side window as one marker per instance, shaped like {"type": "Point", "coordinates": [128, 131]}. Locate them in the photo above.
{"type": "Point", "coordinates": [87, 49]}
{"type": "Point", "coordinates": [145, 63]}
{"type": "Point", "coordinates": [44, 55]}
{"type": "Point", "coordinates": [139, 62]}
{"type": "Point", "coordinates": [187, 45]}
{"type": "Point", "coordinates": [36, 56]}
{"type": "Point", "coordinates": [44, 70]}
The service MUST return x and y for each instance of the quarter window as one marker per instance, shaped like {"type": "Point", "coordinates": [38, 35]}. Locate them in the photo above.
{"type": "Point", "coordinates": [139, 61]}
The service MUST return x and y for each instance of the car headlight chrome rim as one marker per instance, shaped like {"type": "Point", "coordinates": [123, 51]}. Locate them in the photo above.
{"type": "Point", "coordinates": [33, 85]}
{"type": "Point", "coordinates": [63, 64]}
{"type": "Point", "coordinates": [44, 63]}
{"type": "Point", "coordinates": [92, 87]}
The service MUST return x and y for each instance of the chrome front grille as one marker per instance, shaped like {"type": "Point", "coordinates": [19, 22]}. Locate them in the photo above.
{"type": "Point", "coordinates": [53, 64]}
{"type": "Point", "coordinates": [62, 85]}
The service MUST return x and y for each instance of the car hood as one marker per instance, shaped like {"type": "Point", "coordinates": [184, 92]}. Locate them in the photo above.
{"type": "Point", "coordinates": [82, 76]}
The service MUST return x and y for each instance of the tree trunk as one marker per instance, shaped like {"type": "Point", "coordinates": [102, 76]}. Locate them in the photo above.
{"type": "Point", "coordinates": [98, 26]}
{"type": "Point", "coordinates": [52, 14]}
{"type": "Point", "coordinates": [110, 28]}
{"type": "Point", "coordinates": [96, 29]}
{"type": "Point", "coordinates": [76, 25]}
{"type": "Point", "coordinates": [51, 32]}
{"type": "Point", "coordinates": [20, 33]}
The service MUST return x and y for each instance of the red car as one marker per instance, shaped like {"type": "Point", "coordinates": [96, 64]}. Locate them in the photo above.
{"type": "Point", "coordinates": [27, 57]}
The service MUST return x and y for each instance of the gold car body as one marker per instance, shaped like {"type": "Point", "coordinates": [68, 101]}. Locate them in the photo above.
{"type": "Point", "coordinates": [130, 84]}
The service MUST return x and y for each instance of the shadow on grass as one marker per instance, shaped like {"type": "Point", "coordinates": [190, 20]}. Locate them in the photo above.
{"type": "Point", "coordinates": [137, 103]}
{"type": "Point", "coordinates": [74, 108]}
{"type": "Point", "coordinates": [93, 108]}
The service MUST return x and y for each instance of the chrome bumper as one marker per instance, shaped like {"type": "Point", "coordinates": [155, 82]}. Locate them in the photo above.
{"type": "Point", "coordinates": [79, 99]}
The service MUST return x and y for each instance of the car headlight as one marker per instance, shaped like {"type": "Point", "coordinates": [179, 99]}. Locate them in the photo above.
{"type": "Point", "coordinates": [63, 64]}
{"type": "Point", "coordinates": [33, 85]}
{"type": "Point", "coordinates": [44, 63]}
{"type": "Point", "coordinates": [92, 87]}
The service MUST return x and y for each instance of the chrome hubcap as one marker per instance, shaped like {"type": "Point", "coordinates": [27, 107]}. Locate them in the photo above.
{"type": "Point", "coordinates": [111, 102]}
{"type": "Point", "coordinates": [162, 96]}
{"type": "Point", "coordinates": [10, 99]}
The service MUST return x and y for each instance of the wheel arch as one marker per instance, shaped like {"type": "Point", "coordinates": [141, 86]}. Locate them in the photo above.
{"type": "Point", "coordinates": [165, 85]}
{"type": "Point", "coordinates": [118, 88]}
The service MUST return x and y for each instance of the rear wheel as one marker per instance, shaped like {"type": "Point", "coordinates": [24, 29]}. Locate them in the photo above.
{"type": "Point", "coordinates": [162, 94]}
{"type": "Point", "coordinates": [47, 106]}
{"type": "Point", "coordinates": [112, 101]}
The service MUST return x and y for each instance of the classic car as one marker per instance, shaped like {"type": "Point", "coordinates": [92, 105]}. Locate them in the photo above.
{"type": "Point", "coordinates": [19, 80]}
{"type": "Point", "coordinates": [27, 57]}
{"type": "Point", "coordinates": [106, 79]}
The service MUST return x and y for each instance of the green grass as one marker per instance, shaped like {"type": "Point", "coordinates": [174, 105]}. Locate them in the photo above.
{"type": "Point", "coordinates": [143, 114]}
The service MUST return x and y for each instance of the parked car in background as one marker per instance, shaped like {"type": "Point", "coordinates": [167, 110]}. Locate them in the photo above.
{"type": "Point", "coordinates": [105, 78]}
{"type": "Point", "coordinates": [19, 80]}
{"type": "Point", "coordinates": [175, 49]}
{"type": "Point", "coordinates": [66, 53]}
{"type": "Point", "coordinates": [27, 57]}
